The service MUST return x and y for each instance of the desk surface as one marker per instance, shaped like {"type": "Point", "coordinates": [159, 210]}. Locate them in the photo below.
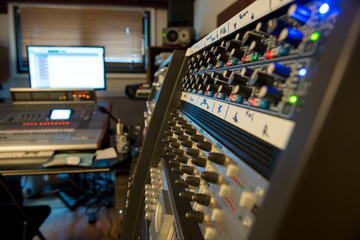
{"type": "Point", "coordinates": [104, 165]}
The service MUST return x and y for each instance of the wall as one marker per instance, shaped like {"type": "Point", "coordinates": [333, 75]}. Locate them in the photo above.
{"type": "Point", "coordinates": [205, 12]}
{"type": "Point", "coordinates": [115, 82]}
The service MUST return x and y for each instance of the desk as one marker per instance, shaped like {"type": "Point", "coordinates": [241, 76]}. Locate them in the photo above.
{"type": "Point", "coordinates": [118, 169]}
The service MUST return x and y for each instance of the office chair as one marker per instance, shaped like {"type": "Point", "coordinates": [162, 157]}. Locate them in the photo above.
{"type": "Point", "coordinates": [17, 221]}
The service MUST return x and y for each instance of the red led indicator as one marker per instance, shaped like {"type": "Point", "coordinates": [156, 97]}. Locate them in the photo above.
{"type": "Point", "coordinates": [268, 55]}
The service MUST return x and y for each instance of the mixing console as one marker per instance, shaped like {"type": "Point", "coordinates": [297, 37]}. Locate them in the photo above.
{"type": "Point", "coordinates": [226, 145]}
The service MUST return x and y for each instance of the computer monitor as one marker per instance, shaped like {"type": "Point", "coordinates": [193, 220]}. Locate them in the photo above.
{"type": "Point", "coordinates": [57, 67]}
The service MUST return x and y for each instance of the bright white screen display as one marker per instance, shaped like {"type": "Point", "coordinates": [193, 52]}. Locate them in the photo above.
{"type": "Point", "coordinates": [60, 114]}
{"type": "Point", "coordinates": [66, 67]}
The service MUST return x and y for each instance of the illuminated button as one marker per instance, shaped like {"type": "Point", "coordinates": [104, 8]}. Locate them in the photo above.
{"type": "Point", "coordinates": [291, 35]}
{"type": "Point", "coordinates": [216, 215]}
{"type": "Point", "coordinates": [299, 12]}
{"type": "Point", "coordinates": [232, 170]}
{"type": "Point", "coordinates": [258, 102]}
{"type": "Point", "coordinates": [278, 70]}
{"type": "Point", "coordinates": [210, 233]}
{"type": "Point", "coordinates": [270, 94]}
{"type": "Point", "coordinates": [324, 8]}
{"type": "Point", "coordinates": [247, 200]}
{"type": "Point", "coordinates": [225, 190]}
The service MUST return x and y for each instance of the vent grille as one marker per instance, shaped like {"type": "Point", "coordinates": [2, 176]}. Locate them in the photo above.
{"type": "Point", "coordinates": [258, 154]}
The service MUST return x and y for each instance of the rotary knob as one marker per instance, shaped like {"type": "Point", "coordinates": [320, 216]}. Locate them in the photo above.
{"type": "Point", "coordinates": [218, 158]}
{"type": "Point", "coordinates": [187, 143]}
{"type": "Point", "coordinates": [182, 183]}
{"type": "Point", "coordinates": [204, 199]}
{"type": "Point", "coordinates": [212, 177]}
{"type": "Point", "coordinates": [197, 137]}
{"type": "Point", "coordinates": [182, 158]}
{"type": "Point", "coordinates": [187, 169]}
{"type": "Point", "coordinates": [193, 152]}
{"type": "Point", "coordinates": [259, 79]}
{"type": "Point", "coordinates": [186, 195]}
{"type": "Point", "coordinates": [199, 161]}
{"type": "Point", "coordinates": [193, 181]}
{"type": "Point", "coordinates": [197, 216]}
{"type": "Point", "coordinates": [177, 170]}
{"type": "Point", "coordinates": [204, 145]}
{"type": "Point", "coordinates": [258, 46]}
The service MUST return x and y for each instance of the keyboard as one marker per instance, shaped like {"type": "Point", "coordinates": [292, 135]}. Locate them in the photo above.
{"type": "Point", "coordinates": [25, 156]}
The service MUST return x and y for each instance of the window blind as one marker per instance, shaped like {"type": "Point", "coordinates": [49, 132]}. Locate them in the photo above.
{"type": "Point", "coordinates": [121, 32]}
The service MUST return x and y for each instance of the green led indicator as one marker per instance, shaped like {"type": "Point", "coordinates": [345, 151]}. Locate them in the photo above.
{"type": "Point", "coordinates": [164, 34]}
{"type": "Point", "coordinates": [293, 99]}
{"type": "Point", "coordinates": [255, 57]}
{"type": "Point", "coordinates": [314, 36]}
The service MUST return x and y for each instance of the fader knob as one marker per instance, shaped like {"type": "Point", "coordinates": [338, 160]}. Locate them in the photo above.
{"type": "Point", "coordinates": [203, 199]}
{"type": "Point", "coordinates": [204, 145]}
{"type": "Point", "coordinates": [186, 195]}
{"type": "Point", "coordinates": [212, 177]}
{"type": "Point", "coordinates": [199, 161]}
{"type": "Point", "coordinates": [291, 35]}
{"type": "Point", "coordinates": [261, 27]}
{"type": "Point", "coordinates": [225, 90]}
{"type": "Point", "coordinates": [211, 60]}
{"type": "Point", "coordinates": [193, 181]}
{"type": "Point", "coordinates": [242, 91]}
{"type": "Point", "coordinates": [223, 57]}
{"type": "Point", "coordinates": [218, 158]}
{"type": "Point", "coordinates": [197, 216]}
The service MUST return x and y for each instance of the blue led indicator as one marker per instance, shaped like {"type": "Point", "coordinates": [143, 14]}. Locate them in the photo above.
{"type": "Point", "coordinates": [302, 72]}
{"type": "Point", "coordinates": [324, 8]}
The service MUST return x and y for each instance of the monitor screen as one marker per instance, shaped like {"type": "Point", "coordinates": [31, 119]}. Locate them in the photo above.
{"type": "Point", "coordinates": [66, 67]}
